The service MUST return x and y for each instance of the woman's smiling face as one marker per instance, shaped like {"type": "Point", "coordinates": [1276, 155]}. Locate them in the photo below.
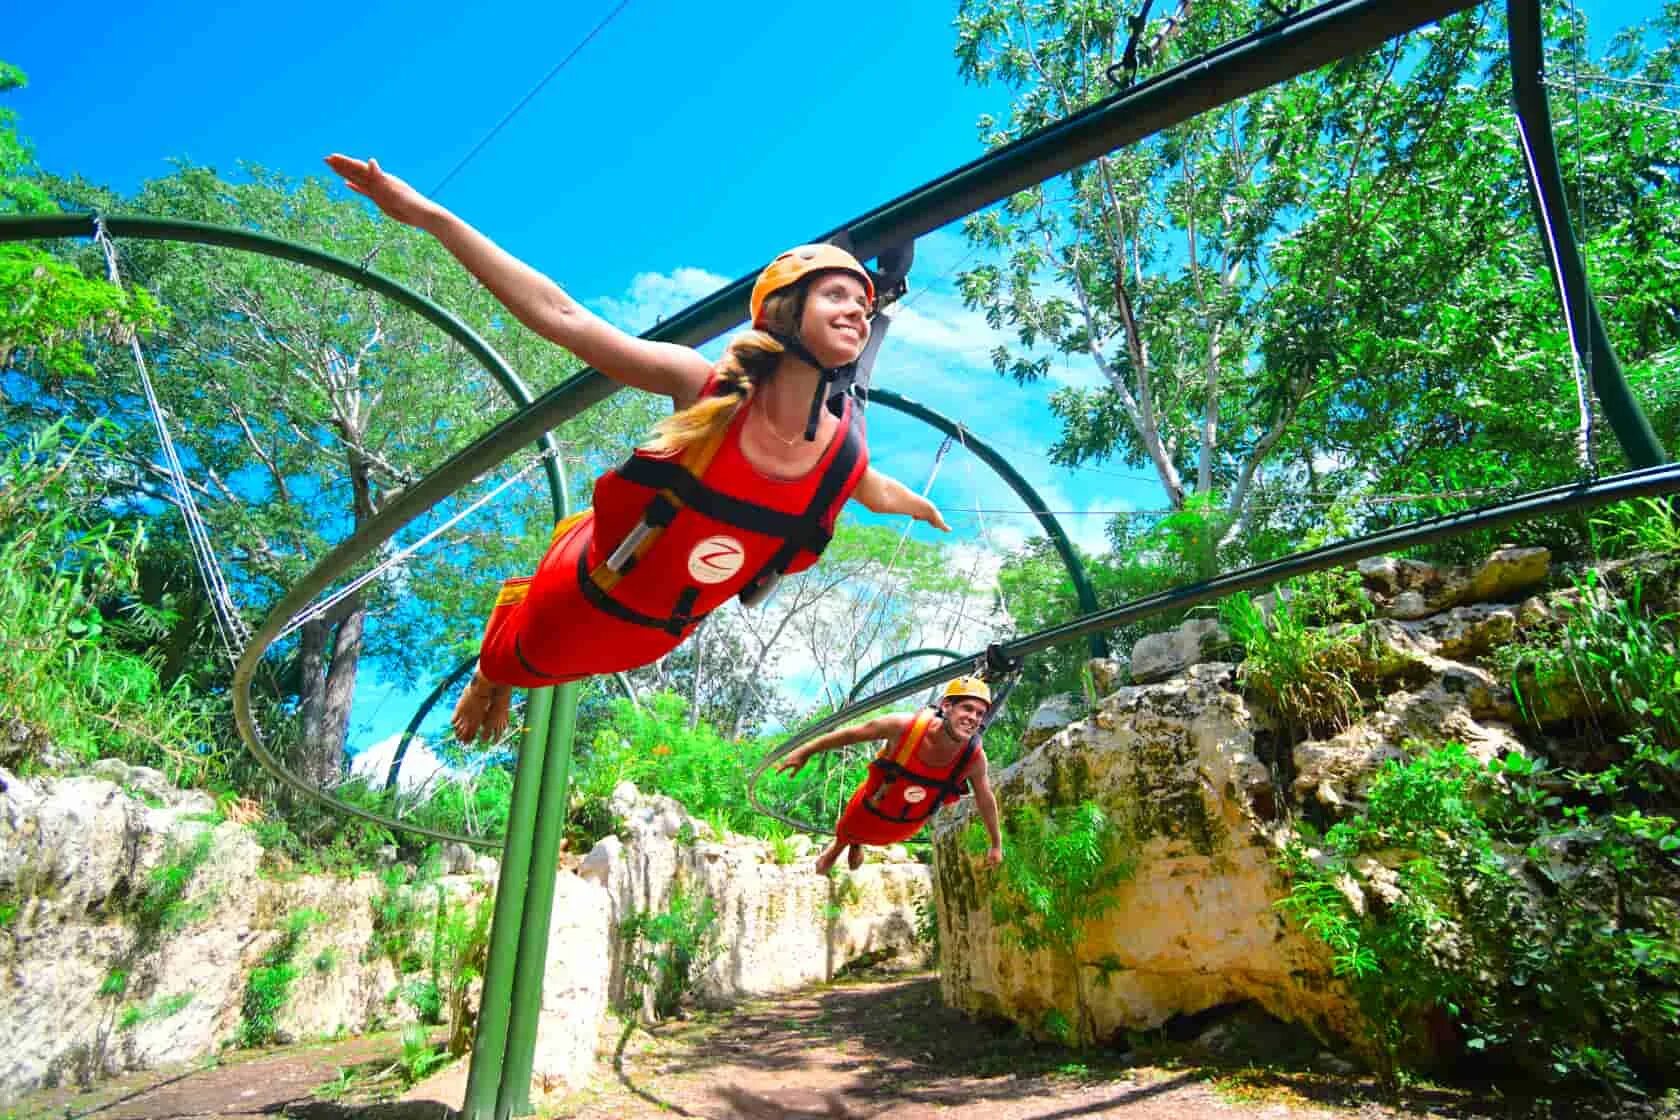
{"type": "Point", "coordinates": [835, 324]}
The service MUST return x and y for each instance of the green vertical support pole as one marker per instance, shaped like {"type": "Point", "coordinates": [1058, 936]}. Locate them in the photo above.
{"type": "Point", "coordinates": [1586, 329]}
{"type": "Point", "coordinates": [484, 1073]}
{"type": "Point", "coordinates": [514, 1097]}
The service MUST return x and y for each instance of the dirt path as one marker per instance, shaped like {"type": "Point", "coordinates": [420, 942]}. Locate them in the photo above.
{"type": "Point", "coordinates": [879, 1050]}
{"type": "Point", "coordinates": [893, 1051]}
{"type": "Point", "coordinates": [283, 1082]}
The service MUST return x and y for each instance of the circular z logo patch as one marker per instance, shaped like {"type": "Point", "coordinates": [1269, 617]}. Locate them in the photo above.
{"type": "Point", "coordinates": [915, 794]}
{"type": "Point", "coordinates": [715, 559]}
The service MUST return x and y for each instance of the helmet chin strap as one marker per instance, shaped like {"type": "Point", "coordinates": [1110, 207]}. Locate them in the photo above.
{"type": "Point", "coordinates": [826, 376]}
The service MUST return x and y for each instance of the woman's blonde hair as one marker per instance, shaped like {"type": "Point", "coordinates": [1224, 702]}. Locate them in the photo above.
{"type": "Point", "coordinates": [751, 358]}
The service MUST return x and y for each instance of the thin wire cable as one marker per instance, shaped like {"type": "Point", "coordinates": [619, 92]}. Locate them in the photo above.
{"type": "Point", "coordinates": [526, 100]}
{"type": "Point", "coordinates": [980, 513]}
{"type": "Point", "coordinates": [884, 586]}
{"type": "Point", "coordinates": [1575, 338]}
{"type": "Point", "coordinates": [1271, 507]}
{"type": "Point", "coordinates": [403, 554]}
{"type": "Point", "coordinates": [229, 625]}
{"type": "Point", "coordinates": [1578, 31]}
{"type": "Point", "coordinates": [1646, 83]}
{"type": "Point", "coordinates": [1647, 106]}
{"type": "Point", "coordinates": [960, 614]}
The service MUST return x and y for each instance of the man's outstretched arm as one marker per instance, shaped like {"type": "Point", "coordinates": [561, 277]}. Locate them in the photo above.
{"type": "Point", "coordinates": [881, 727]}
{"type": "Point", "coordinates": [986, 805]}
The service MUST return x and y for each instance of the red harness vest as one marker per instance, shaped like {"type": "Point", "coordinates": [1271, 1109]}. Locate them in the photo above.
{"type": "Point", "coordinates": [913, 794]}
{"type": "Point", "coordinates": [676, 536]}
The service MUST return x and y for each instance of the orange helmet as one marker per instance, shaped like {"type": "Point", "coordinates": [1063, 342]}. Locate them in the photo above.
{"type": "Point", "coordinates": [800, 262]}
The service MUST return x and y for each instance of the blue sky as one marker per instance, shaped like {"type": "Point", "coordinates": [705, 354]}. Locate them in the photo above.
{"type": "Point", "coordinates": [679, 149]}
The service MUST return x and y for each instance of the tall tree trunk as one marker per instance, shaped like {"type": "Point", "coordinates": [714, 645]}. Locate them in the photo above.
{"type": "Point", "coordinates": [699, 640]}
{"type": "Point", "coordinates": [312, 652]}
{"type": "Point", "coordinates": [177, 647]}
{"type": "Point", "coordinates": [338, 690]}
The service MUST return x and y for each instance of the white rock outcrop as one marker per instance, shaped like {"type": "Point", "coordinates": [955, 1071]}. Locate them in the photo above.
{"type": "Point", "coordinates": [779, 925]}
{"type": "Point", "coordinates": [93, 990]}
{"type": "Point", "coordinates": [96, 986]}
{"type": "Point", "coordinates": [1175, 765]}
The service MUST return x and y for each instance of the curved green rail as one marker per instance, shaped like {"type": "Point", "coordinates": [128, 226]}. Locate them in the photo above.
{"type": "Point", "coordinates": [1052, 528]}
{"type": "Point", "coordinates": [908, 655]}
{"type": "Point", "coordinates": [47, 226]}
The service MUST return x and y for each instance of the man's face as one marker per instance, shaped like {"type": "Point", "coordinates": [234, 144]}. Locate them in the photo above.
{"type": "Point", "coordinates": [963, 714]}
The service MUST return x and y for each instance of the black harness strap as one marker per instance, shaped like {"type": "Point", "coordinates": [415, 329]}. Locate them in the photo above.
{"type": "Point", "coordinates": [675, 624]}
{"type": "Point", "coordinates": [667, 474]}
{"type": "Point", "coordinates": [947, 788]}
{"type": "Point", "coordinates": [796, 531]}
{"type": "Point", "coordinates": [810, 533]}
{"type": "Point", "coordinates": [519, 652]}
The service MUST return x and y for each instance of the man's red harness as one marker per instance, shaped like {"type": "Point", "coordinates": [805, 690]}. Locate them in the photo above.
{"type": "Point", "coordinates": [913, 792]}
{"type": "Point", "coordinates": [669, 539]}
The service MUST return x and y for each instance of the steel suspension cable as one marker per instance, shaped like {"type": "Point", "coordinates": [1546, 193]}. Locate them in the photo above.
{"type": "Point", "coordinates": [229, 625]}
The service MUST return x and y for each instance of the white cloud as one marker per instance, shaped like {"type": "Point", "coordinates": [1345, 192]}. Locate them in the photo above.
{"type": "Point", "coordinates": [420, 766]}
{"type": "Point", "coordinates": [653, 296]}
{"type": "Point", "coordinates": [943, 326]}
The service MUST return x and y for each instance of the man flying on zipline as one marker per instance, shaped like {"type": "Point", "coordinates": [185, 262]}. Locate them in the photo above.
{"type": "Point", "coordinates": [932, 753]}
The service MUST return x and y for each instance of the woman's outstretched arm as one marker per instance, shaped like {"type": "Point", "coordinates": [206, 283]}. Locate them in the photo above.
{"type": "Point", "coordinates": [879, 494]}
{"type": "Point", "coordinates": [678, 372]}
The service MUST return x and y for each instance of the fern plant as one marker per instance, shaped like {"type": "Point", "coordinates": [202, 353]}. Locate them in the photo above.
{"type": "Point", "coordinates": [1063, 871]}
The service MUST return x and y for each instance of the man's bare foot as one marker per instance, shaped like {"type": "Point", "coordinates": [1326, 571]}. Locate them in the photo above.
{"type": "Point", "coordinates": [854, 858]}
{"type": "Point", "coordinates": [482, 711]}
{"type": "Point", "coordinates": [829, 855]}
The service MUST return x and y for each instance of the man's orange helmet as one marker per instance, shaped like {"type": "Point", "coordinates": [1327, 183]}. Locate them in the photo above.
{"type": "Point", "coordinates": [798, 263]}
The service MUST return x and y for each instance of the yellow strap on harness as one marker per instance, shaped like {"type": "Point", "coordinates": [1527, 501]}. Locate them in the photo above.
{"type": "Point", "coordinates": [513, 591]}
{"type": "Point", "coordinates": [565, 526]}
{"type": "Point", "coordinates": [912, 738]}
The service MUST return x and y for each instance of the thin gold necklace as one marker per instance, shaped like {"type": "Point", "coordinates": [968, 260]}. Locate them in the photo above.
{"type": "Point", "coordinates": [771, 424]}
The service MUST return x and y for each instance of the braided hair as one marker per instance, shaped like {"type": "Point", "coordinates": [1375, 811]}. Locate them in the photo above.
{"type": "Point", "coordinates": [752, 357]}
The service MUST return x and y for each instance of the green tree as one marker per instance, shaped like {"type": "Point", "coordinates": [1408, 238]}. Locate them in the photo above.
{"type": "Point", "coordinates": [1332, 288]}
{"type": "Point", "coordinates": [47, 308]}
{"type": "Point", "coordinates": [306, 405]}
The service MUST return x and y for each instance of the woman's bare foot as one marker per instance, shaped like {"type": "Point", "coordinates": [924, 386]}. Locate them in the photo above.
{"type": "Point", "coordinates": [829, 855]}
{"type": "Point", "coordinates": [482, 711]}
{"type": "Point", "coordinates": [854, 858]}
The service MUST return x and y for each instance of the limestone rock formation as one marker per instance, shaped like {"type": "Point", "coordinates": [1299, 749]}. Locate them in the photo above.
{"type": "Point", "coordinates": [1156, 657]}
{"type": "Point", "coordinates": [99, 980]}
{"type": "Point", "coordinates": [1052, 714]}
{"type": "Point", "coordinates": [779, 925]}
{"type": "Point", "coordinates": [1177, 765]}
{"type": "Point", "coordinates": [1199, 782]}
{"type": "Point", "coordinates": [1412, 589]}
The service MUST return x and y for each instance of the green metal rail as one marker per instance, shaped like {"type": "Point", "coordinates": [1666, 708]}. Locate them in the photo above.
{"type": "Point", "coordinates": [981, 450]}
{"type": "Point", "coordinates": [1563, 255]}
{"type": "Point", "coordinates": [499, 1079]}
{"type": "Point", "coordinates": [50, 226]}
{"type": "Point", "coordinates": [1649, 482]}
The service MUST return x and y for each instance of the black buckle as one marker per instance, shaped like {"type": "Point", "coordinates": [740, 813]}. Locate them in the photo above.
{"type": "Point", "coordinates": [660, 512]}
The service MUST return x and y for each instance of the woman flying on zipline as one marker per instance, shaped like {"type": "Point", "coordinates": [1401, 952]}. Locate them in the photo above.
{"type": "Point", "coordinates": [720, 501]}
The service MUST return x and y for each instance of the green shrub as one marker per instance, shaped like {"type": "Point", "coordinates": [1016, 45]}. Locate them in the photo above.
{"type": "Point", "coordinates": [1062, 870]}
{"type": "Point", "coordinates": [1304, 674]}
{"type": "Point", "coordinates": [463, 945]}
{"type": "Point", "coordinates": [1644, 525]}
{"type": "Point", "coordinates": [1568, 968]}
{"type": "Point", "coordinates": [70, 676]}
{"type": "Point", "coordinates": [157, 1009]}
{"type": "Point", "coordinates": [270, 983]}
{"type": "Point", "coordinates": [665, 952]}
